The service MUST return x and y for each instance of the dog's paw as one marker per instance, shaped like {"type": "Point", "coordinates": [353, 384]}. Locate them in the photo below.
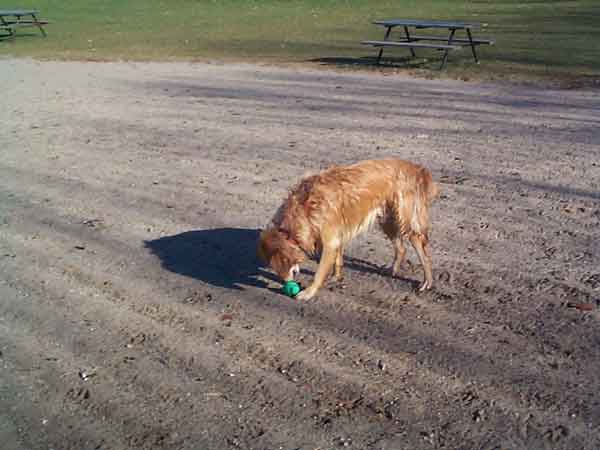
{"type": "Point", "coordinates": [338, 280]}
{"type": "Point", "coordinates": [399, 270]}
{"type": "Point", "coordinates": [426, 286]}
{"type": "Point", "coordinates": [306, 294]}
{"type": "Point", "coordinates": [390, 271]}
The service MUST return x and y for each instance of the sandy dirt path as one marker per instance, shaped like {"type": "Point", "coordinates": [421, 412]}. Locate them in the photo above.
{"type": "Point", "coordinates": [134, 315]}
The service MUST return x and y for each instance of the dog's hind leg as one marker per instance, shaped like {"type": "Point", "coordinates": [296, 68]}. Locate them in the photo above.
{"type": "Point", "coordinates": [419, 242]}
{"type": "Point", "coordinates": [391, 227]}
{"type": "Point", "coordinates": [399, 255]}
{"type": "Point", "coordinates": [327, 262]}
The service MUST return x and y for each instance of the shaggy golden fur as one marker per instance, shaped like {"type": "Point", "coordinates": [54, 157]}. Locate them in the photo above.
{"type": "Point", "coordinates": [325, 211]}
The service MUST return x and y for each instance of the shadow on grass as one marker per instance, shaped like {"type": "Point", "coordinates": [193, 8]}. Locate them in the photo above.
{"type": "Point", "coordinates": [20, 35]}
{"type": "Point", "coordinates": [366, 62]}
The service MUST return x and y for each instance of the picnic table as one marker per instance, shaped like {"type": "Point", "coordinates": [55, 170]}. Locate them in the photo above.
{"type": "Point", "coordinates": [442, 43]}
{"type": "Point", "coordinates": [11, 19]}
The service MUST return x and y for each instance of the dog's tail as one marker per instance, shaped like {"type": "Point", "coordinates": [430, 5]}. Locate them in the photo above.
{"type": "Point", "coordinates": [429, 190]}
{"type": "Point", "coordinates": [426, 191]}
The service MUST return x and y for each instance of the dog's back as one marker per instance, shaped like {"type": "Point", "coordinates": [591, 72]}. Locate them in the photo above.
{"type": "Point", "coordinates": [350, 198]}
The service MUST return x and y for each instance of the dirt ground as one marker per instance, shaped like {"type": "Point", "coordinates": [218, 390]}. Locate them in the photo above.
{"type": "Point", "coordinates": [134, 315]}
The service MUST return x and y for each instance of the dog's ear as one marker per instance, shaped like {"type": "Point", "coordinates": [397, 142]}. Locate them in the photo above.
{"type": "Point", "coordinates": [261, 248]}
{"type": "Point", "coordinates": [269, 235]}
{"type": "Point", "coordinates": [276, 249]}
{"type": "Point", "coordinates": [269, 242]}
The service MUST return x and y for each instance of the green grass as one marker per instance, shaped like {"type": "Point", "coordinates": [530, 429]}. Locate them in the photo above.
{"type": "Point", "coordinates": [557, 39]}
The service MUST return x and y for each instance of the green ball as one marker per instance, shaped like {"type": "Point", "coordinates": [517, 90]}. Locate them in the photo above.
{"type": "Point", "coordinates": [291, 288]}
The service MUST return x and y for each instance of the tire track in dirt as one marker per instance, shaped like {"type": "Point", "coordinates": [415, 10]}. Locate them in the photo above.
{"type": "Point", "coordinates": [171, 318]}
{"type": "Point", "coordinates": [271, 362]}
{"type": "Point", "coordinates": [135, 193]}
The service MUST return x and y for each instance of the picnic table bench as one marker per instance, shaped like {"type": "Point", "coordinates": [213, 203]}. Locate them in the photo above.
{"type": "Point", "coordinates": [442, 43]}
{"type": "Point", "coordinates": [11, 19]}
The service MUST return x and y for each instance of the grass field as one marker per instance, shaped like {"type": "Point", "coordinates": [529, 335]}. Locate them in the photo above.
{"type": "Point", "coordinates": [534, 38]}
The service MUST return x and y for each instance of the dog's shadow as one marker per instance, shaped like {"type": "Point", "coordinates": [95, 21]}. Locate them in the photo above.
{"type": "Point", "coordinates": [226, 257]}
{"type": "Point", "coordinates": [222, 257]}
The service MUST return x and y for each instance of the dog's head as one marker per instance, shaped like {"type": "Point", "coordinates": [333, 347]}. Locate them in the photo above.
{"type": "Point", "coordinates": [280, 253]}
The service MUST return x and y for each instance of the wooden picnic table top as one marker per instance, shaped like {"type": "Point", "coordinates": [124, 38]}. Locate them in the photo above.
{"type": "Point", "coordinates": [428, 23]}
{"type": "Point", "coordinates": [17, 12]}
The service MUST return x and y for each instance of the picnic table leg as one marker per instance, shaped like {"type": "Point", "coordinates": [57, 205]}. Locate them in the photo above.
{"type": "Point", "coordinates": [387, 35]}
{"type": "Point", "coordinates": [8, 29]}
{"type": "Point", "coordinates": [412, 50]}
{"type": "Point", "coordinates": [472, 46]}
{"type": "Point", "coordinates": [38, 25]}
{"type": "Point", "coordinates": [452, 31]}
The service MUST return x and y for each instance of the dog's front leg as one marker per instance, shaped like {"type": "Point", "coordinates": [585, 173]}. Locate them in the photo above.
{"type": "Point", "coordinates": [339, 264]}
{"type": "Point", "coordinates": [399, 256]}
{"type": "Point", "coordinates": [328, 258]}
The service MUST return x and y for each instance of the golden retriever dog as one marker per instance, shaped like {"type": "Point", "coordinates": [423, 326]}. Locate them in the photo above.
{"type": "Point", "coordinates": [324, 212]}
